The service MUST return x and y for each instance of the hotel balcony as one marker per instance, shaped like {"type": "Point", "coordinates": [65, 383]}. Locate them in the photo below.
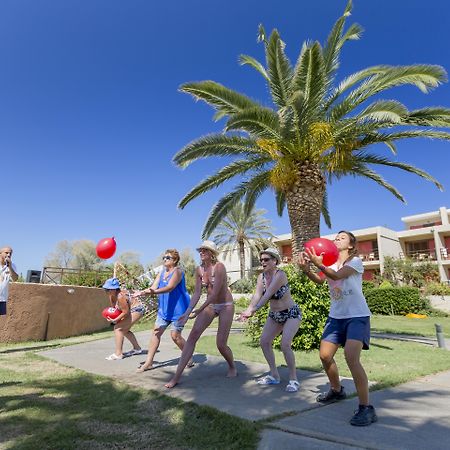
{"type": "Point", "coordinates": [419, 255]}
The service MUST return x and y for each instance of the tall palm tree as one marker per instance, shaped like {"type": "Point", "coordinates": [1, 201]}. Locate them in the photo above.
{"type": "Point", "coordinates": [318, 130]}
{"type": "Point", "coordinates": [242, 228]}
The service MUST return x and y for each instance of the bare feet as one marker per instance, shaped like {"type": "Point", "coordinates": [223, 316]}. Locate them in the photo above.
{"type": "Point", "coordinates": [144, 368]}
{"type": "Point", "coordinates": [171, 384]}
{"type": "Point", "coordinates": [232, 372]}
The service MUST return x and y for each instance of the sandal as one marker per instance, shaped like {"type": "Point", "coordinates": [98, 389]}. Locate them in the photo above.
{"type": "Point", "coordinates": [267, 380]}
{"type": "Point", "coordinates": [292, 386]}
{"type": "Point", "coordinates": [113, 357]}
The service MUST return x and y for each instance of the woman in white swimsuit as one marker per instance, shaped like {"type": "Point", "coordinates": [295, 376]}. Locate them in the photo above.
{"type": "Point", "coordinates": [212, 276]}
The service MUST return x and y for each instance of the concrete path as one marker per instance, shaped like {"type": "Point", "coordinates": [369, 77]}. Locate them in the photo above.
{"type": "Point", "coordinates": [415, 415]}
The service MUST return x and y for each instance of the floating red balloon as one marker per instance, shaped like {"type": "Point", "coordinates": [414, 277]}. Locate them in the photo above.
{"type": "Point", "coordinates": [111, 313]}
{"type": "Point", "coordinates": [106, 248]}
{"type": "Point", "coordinates": [324, 247]}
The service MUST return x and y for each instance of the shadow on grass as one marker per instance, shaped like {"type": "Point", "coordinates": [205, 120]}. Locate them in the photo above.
{"type": "Point", "coordinates": [84, 411]}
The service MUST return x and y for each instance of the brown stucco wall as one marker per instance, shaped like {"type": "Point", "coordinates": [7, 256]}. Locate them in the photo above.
{"type": "Point", "coordinates": [31, 306]}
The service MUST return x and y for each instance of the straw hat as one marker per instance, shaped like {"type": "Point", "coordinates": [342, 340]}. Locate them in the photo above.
{"type": "Point", "coordinates": [272, 251]}
{"type": "Point", "coordinates": [209, 245]}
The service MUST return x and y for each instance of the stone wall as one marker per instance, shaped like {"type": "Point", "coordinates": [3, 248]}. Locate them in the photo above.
{"type": "Point", "coordinates": [37, 312]}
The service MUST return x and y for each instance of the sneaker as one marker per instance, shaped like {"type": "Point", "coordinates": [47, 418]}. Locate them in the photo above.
{"type": "Point", "coordinates": [365, 415]}
{"type": "Point", "coordinates": [331, 396]}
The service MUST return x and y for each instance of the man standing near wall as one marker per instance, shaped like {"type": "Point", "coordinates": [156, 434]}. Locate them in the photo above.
{"type": "Point", "coordinates": [8, 271]}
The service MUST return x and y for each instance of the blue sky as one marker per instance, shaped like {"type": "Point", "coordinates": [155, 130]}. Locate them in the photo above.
{"type": "Point", "coordinates": [90, 115]}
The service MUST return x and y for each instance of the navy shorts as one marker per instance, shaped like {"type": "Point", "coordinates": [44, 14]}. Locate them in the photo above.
{"type": "Point", "coordinates": [339, 330]}
{"type": "Point", "coordinates": [2, 308]}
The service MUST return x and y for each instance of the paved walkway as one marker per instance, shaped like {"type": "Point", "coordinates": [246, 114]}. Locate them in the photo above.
{"type": "Point", "coordinates": [412, 416]}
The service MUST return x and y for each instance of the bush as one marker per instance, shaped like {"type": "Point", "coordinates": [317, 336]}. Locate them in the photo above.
{"type": "Point", "coordinates": [244, 286]}
{"type": "Point", "coordinates": [437, 289]}
{"type": "Point", "coordinates": [242, 302]}
{"type": "Point", "coordinates": [396, 301]}
{"type": "Point", "coordinates": [86, 278]}
{"type": "Point", "coordinates": [366, 285]}
{"type": "Point", "coordinates": [313, 299]}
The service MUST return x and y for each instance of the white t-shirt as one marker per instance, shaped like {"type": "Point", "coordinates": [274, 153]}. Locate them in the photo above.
{"type": "Point", "coordinates": [5, 278]}
{"type": "Point", "coordinates": [347, 298]}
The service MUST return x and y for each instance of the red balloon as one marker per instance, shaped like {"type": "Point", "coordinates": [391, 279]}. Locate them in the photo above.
{"type": "Point", "coordinates": [324, 247]}
{"type": "Point", "coordinates": [111, 313]}
{"type": "Point", "coordinates": [106, 248]}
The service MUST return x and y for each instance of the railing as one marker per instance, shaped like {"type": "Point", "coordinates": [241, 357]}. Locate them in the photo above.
{"type": "Point", "coordinates": [445, 253]}
{"type": "Point", "coordinates": [370, 256]}
{"type": "Point", "coordinates": [420, 255]}
{"type": "Point", "coordinates": [63, 275]}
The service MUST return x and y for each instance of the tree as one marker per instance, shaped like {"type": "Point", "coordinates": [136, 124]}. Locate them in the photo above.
{"type": "Point", "coordinates": [79, 254]}
{"type": "Point", "coordinates": [318, 130]}
{"type": "Point", "coordinates": [243, 228]}
{"type": "Point", "coordinates": [62, 256]}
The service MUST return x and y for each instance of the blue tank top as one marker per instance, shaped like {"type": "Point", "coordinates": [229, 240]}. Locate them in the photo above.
{"type": "Point", "coordinates": [172, 304]}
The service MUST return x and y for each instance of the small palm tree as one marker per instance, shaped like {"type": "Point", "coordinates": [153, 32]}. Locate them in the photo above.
{"type": "Point", "coordinates": [317, 132]}
{"type": "Point", "coordinates": [243, 229]}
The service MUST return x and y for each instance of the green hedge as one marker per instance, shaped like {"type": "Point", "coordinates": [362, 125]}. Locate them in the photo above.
{"type": "Point", "coordinates": [396, 301]}
{"type": "Point", "coordinates": [313, 299]}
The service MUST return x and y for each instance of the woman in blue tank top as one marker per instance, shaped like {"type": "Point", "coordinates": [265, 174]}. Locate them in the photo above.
{"type": "Point", "coordinates": [173, 300]}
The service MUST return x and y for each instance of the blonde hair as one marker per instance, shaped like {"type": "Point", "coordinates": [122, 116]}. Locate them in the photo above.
{"type": "Point", "coordinates": [174, 254]}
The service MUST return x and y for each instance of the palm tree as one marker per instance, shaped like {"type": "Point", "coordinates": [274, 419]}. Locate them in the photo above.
{"type": "Point", "coordinates": [242, 228]}
{"type": "Point", "coordinates": [317, 132]}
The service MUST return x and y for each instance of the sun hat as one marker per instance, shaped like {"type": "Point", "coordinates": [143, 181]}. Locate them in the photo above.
{"type": "Point", "coordinates": [111, 283]}
{"type": "Point", "coordinates": [209, 245]}
{"type": "Point", "coordinates": [272, 251]}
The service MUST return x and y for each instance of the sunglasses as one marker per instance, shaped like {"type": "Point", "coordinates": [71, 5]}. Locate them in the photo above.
{"type": "Point", "coordinates": [265, 259]}
{"type": "Point", "coordinates": [167, 257]}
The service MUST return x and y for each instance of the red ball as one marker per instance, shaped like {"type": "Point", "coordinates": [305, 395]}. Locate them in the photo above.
{"type": "Point", "coordinates": [111, 313]}
{"type": "Point", "coordinates": [106, 248]}
{"type": "Point", "coordinates": [324, 247]}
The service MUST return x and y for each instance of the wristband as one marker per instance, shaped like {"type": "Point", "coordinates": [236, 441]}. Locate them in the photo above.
{"type": "Point", "coordinates": [322, 267]}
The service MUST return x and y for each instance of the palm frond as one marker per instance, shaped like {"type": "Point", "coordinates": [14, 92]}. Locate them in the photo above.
{"type": "Point", "coordinates": [433, 117]}
{"type": "Point", "coordinates": [216, 145]}
{"type": "Point", "coordinates": [224, 100]}
{"type": "Point", "coordinates": [258, 185]}
{"type": "Point", "coordinates": [280, 198]}
{"type": "Point", "coordinates": [384, 111]}
{"type": "Point", "coordinates": [325, 211]}
{"type": "Point", "coordinates": [226, 203]}
{"type": "Point", "coordinates": [425, 77]}
{"type": "Point", "coordinates": [279, 70]}
{"type": "Point", "coordinates": [245, 60]}
{"type": "Point", "coordinates": [233, 169]}
{"type": "Point", "coordinates": [368, 158]}
{"type": "Point", "coordinates": [259, 122]}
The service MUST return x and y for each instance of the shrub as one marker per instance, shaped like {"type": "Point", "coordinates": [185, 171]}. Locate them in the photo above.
{"type": "Point", "coordinates": [396, 301]}
{"type": "Point", "coordinates": [385, 284]}
{"type": "Point", "coordinates": [86, 278]}
{"type": "Point", "coordinates": [244, 285]}
{"type": "Point", "coordinates": [242, 302]}
{"type": "Point", "coordinates": [313, 299]}
{"type": "Point", "coordinates": [437, 289]}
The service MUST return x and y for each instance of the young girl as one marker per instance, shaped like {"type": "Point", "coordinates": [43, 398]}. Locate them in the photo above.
{"type": "Point", "coordinates": [284, 317]}
{"type": "Point", "coordinates": [348, 323]}
{"type": "Point", "coordinates": [123, 323]}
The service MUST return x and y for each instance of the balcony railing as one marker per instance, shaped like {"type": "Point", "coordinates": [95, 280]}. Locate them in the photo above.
{"type": "Point", "coordinates": [445, 253]}
{"type": "Point", "coordinates": [369, 256]}
{"type": "Point", "coordinates": [419, 255]}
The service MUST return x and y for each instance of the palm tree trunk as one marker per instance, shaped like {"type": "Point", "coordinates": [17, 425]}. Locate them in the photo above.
{"type": "Point", "coordinates": [304, 205]}
{"type": "Point", "coordinates": [242, 258]}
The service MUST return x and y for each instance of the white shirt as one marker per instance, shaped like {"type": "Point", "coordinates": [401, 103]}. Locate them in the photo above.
{"type": "Point", "coordinates": [347, 298]}
{"type": "Point", "coordinates": [5, 278]}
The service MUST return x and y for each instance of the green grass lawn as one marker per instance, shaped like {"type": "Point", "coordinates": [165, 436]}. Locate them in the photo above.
{"type": "Point", "coordinates": [387, 363]}
{"type": "Point", "coordinates": [405, 325]}
{"type": "Point", "coordinates": [45, 405]}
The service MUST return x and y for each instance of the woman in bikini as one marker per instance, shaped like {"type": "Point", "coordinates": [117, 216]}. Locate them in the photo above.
{"type": "Point", "coordinates": [212, 276]}
{"type": "Point", "coordinates": [123, 323]}
{"type": "Point", "coordinates": [173, 299]}
{"type": "Point", "coordinates": [284, 316]}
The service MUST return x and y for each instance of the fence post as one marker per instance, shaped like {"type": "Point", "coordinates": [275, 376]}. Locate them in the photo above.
{"type": "Point", "coordinates": [440, 336]}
